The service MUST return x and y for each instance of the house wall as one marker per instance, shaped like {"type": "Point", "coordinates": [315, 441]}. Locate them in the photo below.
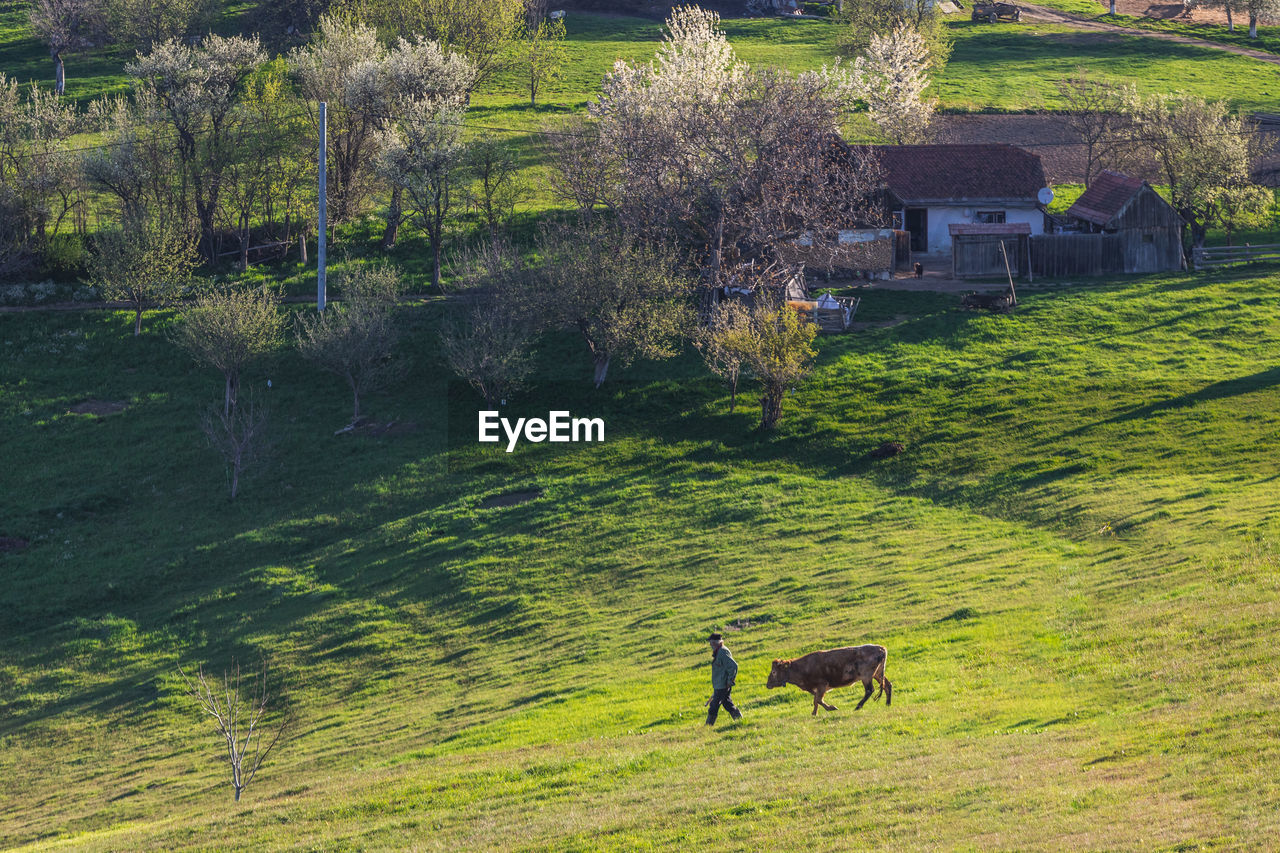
{"type": "Point", "coordinates": [941, 216]}
{"type": "Point", "coordinates": [1151, 234]}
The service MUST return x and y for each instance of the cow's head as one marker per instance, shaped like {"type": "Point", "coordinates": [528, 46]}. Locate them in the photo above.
{"type": "Point", "coordinates": [778, 675]}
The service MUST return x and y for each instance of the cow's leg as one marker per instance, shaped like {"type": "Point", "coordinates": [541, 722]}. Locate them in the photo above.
{"type": "Point", "coordinates": [818, 693]}
{"type": "Point", "coordinates": [888, 693]}
{"type": "Point", "coordinates": [866, 685]}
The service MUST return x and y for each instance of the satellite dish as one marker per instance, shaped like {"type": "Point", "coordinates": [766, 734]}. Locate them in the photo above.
{"type": "Point", "coordinates": [1045, 195]}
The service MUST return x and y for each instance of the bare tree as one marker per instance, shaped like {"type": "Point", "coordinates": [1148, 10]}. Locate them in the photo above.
{"type": "Point", "coordinates": [67, 26]}
{"type": "Point", "coordinates": [583, 170]}
{"type": "Point", "coordinates": [1095, 113]}
{"type": "Point", "coordinates": [145, 263]}
{"type": "Point", "coordinates": [490, 344]}
{"type": "Point", "coordinates": [239, 436]}
{"type": "Point", "coordinates": [239, 713]}
{"type": "Point", "coordinates": [355, 339]}
{"type": "Point", "coordinates": [227, 327]}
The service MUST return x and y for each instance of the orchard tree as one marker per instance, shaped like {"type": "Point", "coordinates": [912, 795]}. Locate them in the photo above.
{"type": "Point", "coordinates": [227, 327]}
{"type": "Point", "coordinates": [355, 339]}
{"type": "Point", "coordinates": [67, 26]}
{"type": "Point", "coordinates": [342, 67]}
{"type": "Point", "coordinates": [1200, 148]}
{"type": "Point", "coordinates": [196, 91]}
{"type": "Point", "coordinates": [583, 170]}
{"type": "Point", "coordinates": [542, 54]}
{"type": "Point", "coordinates": [860, 22]}
{"type": "Point", "coordinates": [1095, 112]}
{"type": "Point", "coordinates": [891, 78]}
{"type": "Point", "coordinates": [717, 341]}
{"type": "Point", "coordinates": [495, 184]}
{"type": "Point", "coordinates": [489, 343]}
{"type": "Point", "coordinates": [701, 148]}
{"type": "Point", "coordinates": [146, 24]}
{"type": "Point", "coordinates": [1232, 208]}
{"type": "Point", "coordinates": [776, 343]}
{"type": "Point", "coordinates": [625, 296]}
{"type": "Point", "coordinates": [1266, 10]}
{"type": "Point", "coordinates": [144, 263]}
{"type": "Point", "coordinates": [421, 149]}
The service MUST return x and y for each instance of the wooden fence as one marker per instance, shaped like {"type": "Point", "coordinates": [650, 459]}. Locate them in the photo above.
{"type": "Point", "coordinates": [1221, 256]}
{"type": "Point", "coordinates": [1063, 255]}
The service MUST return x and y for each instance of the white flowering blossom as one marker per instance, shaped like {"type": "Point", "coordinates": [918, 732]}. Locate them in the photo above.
{"type": "Point", "coordinates": [891, 78]}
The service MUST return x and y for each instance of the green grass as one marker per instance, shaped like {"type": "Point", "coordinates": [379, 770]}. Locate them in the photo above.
{"type": "Point", "coordinates": [1074, 566]}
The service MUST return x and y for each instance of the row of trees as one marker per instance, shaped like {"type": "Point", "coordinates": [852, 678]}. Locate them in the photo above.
{"type": "Point", "coordinates": [1204, 153]}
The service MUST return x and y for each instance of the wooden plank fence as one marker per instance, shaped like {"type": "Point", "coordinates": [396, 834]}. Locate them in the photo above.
{"type": "Point", "coordinates": [1064, 255]}
{"type": "Point", "coordinates": [1211, 257]}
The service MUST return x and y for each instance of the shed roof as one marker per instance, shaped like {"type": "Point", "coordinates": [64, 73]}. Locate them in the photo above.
{"type": "Point", "coordinates": [961, 173]}
{"type": "Point", "coordinates": [1000, 228]}
{"type": "Point", "coordinates": [1106, 196]}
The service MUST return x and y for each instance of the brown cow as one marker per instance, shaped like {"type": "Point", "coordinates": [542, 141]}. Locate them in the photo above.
{"type": "Point", "coordinates": [818, 672]}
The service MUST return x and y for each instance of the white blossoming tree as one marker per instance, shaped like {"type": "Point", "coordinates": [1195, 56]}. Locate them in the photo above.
{"type": "Point", "coordinates": [891, 78]}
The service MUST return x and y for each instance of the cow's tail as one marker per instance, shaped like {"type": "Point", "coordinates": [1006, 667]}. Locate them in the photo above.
{"type": "Point", "coordinates": [885, 686]}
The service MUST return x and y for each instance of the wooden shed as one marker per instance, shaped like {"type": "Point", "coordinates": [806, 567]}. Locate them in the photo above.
{"type": "Point", "coordinates": [1145, 227]}
{"type": "Point", "coordinates": [980, 249]}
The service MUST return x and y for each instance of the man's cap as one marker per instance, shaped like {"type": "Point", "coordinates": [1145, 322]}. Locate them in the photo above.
{"type": "Point", "coordinates": [715, 638]}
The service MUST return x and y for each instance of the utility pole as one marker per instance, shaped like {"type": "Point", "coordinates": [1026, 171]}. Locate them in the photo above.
{"type": "Point", "coordinates": [324, 225]}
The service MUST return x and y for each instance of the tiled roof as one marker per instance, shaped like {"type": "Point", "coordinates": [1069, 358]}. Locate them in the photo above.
{"type": "Point", "coordinates": [1107, 194]}
{"type": "Point", "coordinates": [962, 173]}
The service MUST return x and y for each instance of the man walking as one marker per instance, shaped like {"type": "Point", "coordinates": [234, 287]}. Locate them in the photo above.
{"type": "Point", "coordinates": [724, 672]}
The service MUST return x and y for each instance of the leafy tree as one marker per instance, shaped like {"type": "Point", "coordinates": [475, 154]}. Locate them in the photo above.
{"type": "Point", "coordinates": [776, 343]}
{"type": "Point", "coordinates": [227, 327]}
{"type": "Point", "coordinates": [67, 26]}
{"type": "Point", "coordinates": [625, 296]}
{"type": "Point", "coordinates": [542, 54]}
{"type": "Point", "coordinates": [716, 340]}
{"type": "Point", "coordinates": [1232, 208]}
{"type": "Point", "coordinates": [145, 263]}
{"type": "Point", "coordinates": [1200, 147]}
{"type": "Point", "coordinates": [355, 339]}
{"type": "Point", "coordinates": [196, 91]}
{"type": "Point", "coordinates": [146, 24]}
{"type": "Point", "coordinates": [891, 78]}
{"type": "Point", "coordinates": [495, 183]}
{"type": "Point", "coordinates": [137, 165]}
{"type": "Point", "coordinates": [484, 33]}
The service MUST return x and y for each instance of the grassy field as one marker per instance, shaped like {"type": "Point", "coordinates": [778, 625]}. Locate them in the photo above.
{"type": "Point", "coordinates": [1074, 566]}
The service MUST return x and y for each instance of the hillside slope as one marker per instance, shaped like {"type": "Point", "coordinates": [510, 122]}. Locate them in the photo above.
{"type": "Point", "coordinates": [1073, 566]}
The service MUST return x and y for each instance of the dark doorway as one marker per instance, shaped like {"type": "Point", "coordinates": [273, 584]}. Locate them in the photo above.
{"type": "Point", "coordinates": [917, 222]}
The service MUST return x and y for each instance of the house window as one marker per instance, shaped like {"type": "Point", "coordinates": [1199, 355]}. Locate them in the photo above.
{"type": "Point", "coordinates": [990, 217]}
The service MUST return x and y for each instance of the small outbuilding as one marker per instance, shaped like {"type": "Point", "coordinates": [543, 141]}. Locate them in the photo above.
{"type": "Point", "coordinates": [1146, 230]}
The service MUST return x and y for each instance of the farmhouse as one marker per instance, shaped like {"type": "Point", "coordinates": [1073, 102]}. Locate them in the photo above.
{"type": "Point", "coordinates": [935, 186]}
{"type": "Point", "coordinates": [1141, 231]}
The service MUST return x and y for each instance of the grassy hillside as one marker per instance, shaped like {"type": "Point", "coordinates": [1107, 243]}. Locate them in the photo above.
{"type": "Point", "coordinates": [1073, 565]}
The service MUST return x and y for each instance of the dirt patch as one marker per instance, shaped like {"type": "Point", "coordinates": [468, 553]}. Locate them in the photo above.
{"type": "Point", "coordinates": [510, 498]}
{"type": "Point", "coordinates": [744, 623]}
{"type": "Point", "coordinates": [98, 408]}
{"type": "Point", "coordinates": [12, 544]}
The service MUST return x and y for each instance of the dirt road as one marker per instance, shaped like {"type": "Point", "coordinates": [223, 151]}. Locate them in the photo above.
{"type": "Point", "coordinates": [1054, 16]}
